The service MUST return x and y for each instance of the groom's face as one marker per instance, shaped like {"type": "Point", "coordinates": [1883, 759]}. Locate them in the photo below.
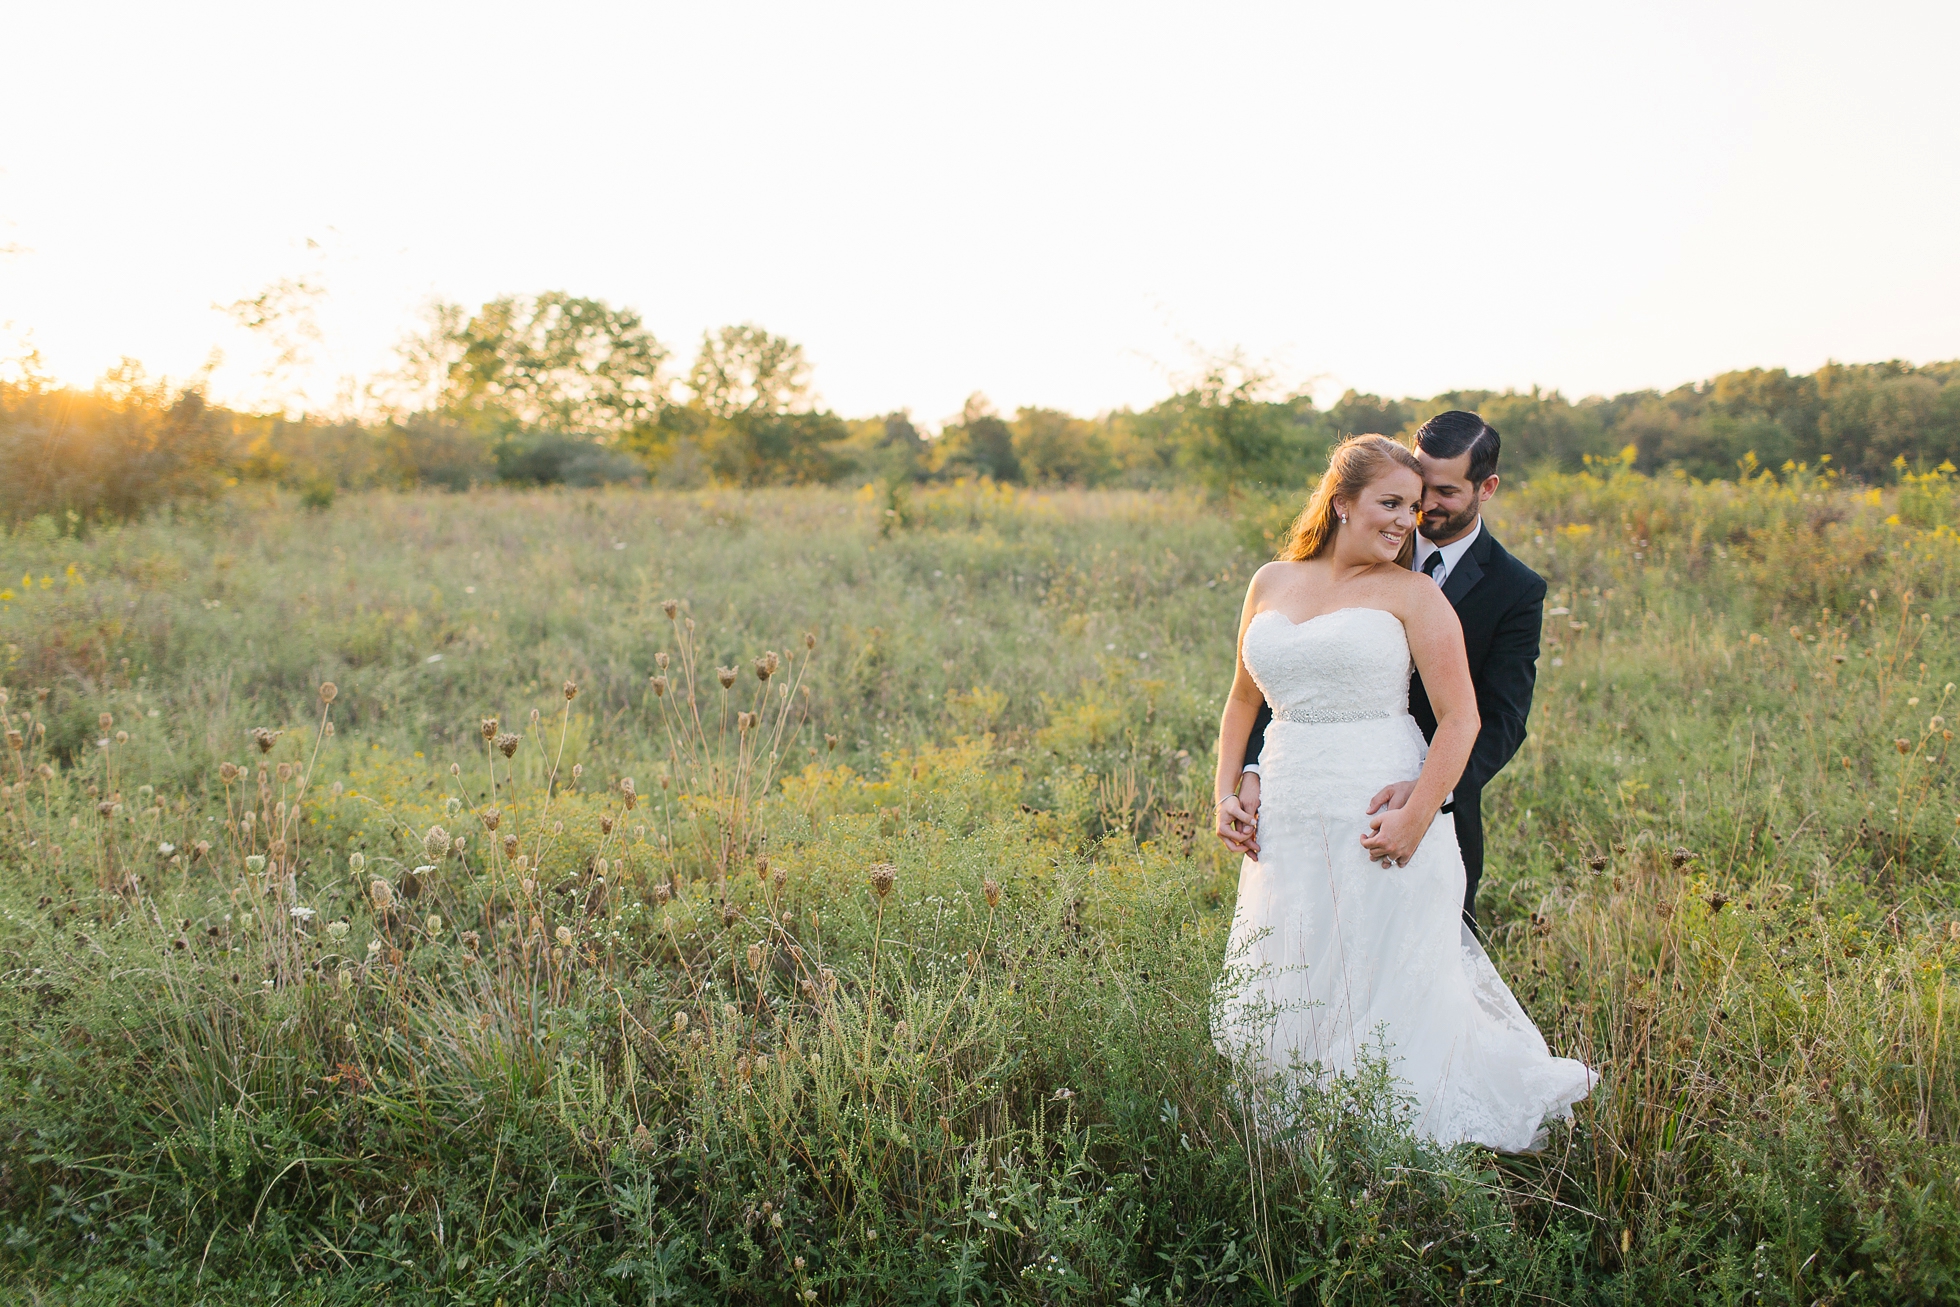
{"type": "Point", "coordinates": [1450, 500]}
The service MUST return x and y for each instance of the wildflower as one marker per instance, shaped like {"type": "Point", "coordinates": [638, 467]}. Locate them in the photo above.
{"type": "Point", "coordinates": [382, 894]}
{"type": "Point", "coordinates": [489, 728]}
{"type": "Point", "coordinates": [262, 737]}
{"type": "Point", "coordinates": [349, 1029]}
{"type": "Point", "coordinates": [600, 867]}
{"type": "Point", "coordinates": [775, 1220]}
{"type": "Point", "coordinates": [571, 691]}
{"type": "Point", "coordinates": [991, 888]}
{"type": "Point", "coordinates": [434, 924]}
{"type": "Point", "coordinates": [255, 863]}
{"type": "Point", "coordinates": [680, 1022]}
{"type": "Point", "coordinates": [670, 607]}
{"type": "Point", "coordinates": [436, 842]}
{"type": "Point", "coordinates": [227, 773]}
{"type": "Point", "coordinates": [470, 939]}
{"type": "Point", "coordinates": [327, 691]}
{"type": "Point", "coordinates": [491, 816]}
{"type": "Point", "coordinates": [578, 770]}
{"type": "Point", "coordinates": [166, 848]}
{"type": "Point", "coordinates": [374, 947]}
{"type": "Point", "coordinates": [883, 876]}
{"type": "Point", "coordinates": [338, 929]}
{"type": "Point", "coordinates": [301, 915]}
{"type": "Point", "coordinates": [1681, 858]}
{"type": "Point", "coordinates": [564, 935]}
{"type": "Point", "coordinates": [357, 862]}
{"type": "Point", "coordinates": [661, 892]}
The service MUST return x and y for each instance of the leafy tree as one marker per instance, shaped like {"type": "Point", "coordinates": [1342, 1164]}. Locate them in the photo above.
{"type": "Point", "coordinates": [551, 362]}
{"type": "Point", "coordinates": [979, 444]}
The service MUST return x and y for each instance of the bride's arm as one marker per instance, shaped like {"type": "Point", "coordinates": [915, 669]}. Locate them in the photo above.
{"type": "Point", "coordinates": [1234, 826]}
{"type": "Point", "coordinates": [1436, 643]}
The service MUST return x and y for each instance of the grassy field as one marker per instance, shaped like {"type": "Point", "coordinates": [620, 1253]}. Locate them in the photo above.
{"type": "Point", "coordinates": [882, 974]}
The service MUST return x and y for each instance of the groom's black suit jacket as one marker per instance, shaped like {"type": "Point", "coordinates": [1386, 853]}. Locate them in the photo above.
{"type": "Point", "coordinates": [1501, 604]}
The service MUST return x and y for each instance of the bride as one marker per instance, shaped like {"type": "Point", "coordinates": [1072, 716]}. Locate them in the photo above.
{"type": "Point", "coordinates": [1347, 938]}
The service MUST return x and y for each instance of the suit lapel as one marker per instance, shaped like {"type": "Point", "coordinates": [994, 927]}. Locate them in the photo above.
{"type": "Point", "coordinates": [1469, 569]}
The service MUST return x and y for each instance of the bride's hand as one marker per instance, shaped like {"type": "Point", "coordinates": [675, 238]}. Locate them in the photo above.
{"type": "Point", "coordinates": [1238, 817]}
{"type": "Point", "coordinates": [1393, 835]}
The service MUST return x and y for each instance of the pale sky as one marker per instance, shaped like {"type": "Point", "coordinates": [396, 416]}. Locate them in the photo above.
{"type": "Point", "coordinates": [1054, 203]}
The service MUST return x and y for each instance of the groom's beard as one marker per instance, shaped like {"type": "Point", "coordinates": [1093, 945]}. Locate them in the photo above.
{"type": "Point", "coordinates": [1448, 528]}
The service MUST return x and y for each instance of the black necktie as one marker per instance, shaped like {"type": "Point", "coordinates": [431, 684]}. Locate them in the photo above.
{"type": "Point", "coordinates": [1434, 565]}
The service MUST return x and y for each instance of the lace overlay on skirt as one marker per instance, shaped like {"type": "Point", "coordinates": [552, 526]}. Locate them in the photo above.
{"type": "Point", "coordinates": [1332, 956]}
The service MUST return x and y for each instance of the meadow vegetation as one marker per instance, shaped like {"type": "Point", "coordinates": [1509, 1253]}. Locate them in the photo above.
{"type": "Point", "coordinates": [729, 896]}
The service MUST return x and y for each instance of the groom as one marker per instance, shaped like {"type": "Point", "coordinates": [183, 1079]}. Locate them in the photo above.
{"type": "Point", "coordinates": [1501, 604]}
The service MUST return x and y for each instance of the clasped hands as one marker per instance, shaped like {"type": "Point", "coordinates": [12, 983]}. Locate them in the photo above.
{"type": "Point", "coordinates": [1391, 838]}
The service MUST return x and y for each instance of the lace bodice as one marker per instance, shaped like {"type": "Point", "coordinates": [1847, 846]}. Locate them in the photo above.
{"type": "Point", "coordinates": [1345, 666]}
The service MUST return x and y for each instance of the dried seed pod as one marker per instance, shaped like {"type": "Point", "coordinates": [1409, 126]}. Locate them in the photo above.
{"type": "Point", "coordinates": [883, 876]}
{"type": "Point", "coordinates": [809, 639]}
{"type": "Point", "coordinates": [780, 879]}
{"type": "Point", "coordinates": [458, 844]}
{"type": "Point", "coordinates": [105, 721]}
{"type": "Point", "coordinates": [489, 728]}
{"type": "Point", "coordinates": [726, 675]}
{"type": "Point", "coordinates": [755, 959]}
{"type": "Point", "coordinates": [991, 888]}
{"type": "Point", "coordinates": [15, 740]}
{"type": "Point", "coordinates": [262, 737]}
{"type": "Point", "coordinates": [571, 691]}
{"type": "Point", "coordinates": [660, 660]}
{"type": "Point", "coordinates": [199, 849]}
{"type": "Point", "coordinates": [435, 843]}
{"type": "Point", "coordinates": [659, 684]}
{"type": "Point", "coordinates": [381, 894]}
{"type": "Point", "coordinates": [285, 772]}
{"type": "Point", "coordinates": [510, 845]}
{"type": "Point", "coordinates": [507, 744]}
{"type": "Point", "coordinates": [328, 691]}
{"type": "Point", "coordinates": [564, 935]}
{"type": "Point", "coordinates": [491, 816]}
{"type": "Point", "coordinates": [829, 743]}
{"type": "Point", "coordinates": [670, 607]}
{"type": "Point", "coordinates": [357, 862]}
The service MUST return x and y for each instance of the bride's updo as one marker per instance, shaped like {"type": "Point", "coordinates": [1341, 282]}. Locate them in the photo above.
{"type": "Point", "coordinates": [1356, 463]}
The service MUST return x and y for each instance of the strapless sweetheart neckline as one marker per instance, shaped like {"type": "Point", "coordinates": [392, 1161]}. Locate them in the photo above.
{"type": "Point", "coordinates": [1333, 612]}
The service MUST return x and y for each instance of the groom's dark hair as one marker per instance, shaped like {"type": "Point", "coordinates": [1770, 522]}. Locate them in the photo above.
{"type": "Point", "coordinates": [1450, 434]}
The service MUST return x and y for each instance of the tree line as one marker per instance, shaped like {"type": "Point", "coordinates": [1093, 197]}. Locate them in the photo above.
{"type": "Point", "coordinates": [559, 389]}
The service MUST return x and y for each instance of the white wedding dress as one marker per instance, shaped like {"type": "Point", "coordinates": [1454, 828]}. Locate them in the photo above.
{"type": "Point", "coordinates": [1333, 956]}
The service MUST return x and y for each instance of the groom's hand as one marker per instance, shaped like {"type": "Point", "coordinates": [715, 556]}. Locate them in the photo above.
{"type": "Point", "coordinates": [1393, 796]}
{"type": "Point", "coordinates": [1238, 817]}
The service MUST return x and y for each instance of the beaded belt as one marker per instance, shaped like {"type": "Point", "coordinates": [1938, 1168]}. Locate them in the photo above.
{"type": "Point", "coordinates": [1314, 716]}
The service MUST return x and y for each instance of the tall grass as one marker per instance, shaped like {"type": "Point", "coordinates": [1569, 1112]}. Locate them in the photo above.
{"type": "Point", "coordinates": [899, 991]}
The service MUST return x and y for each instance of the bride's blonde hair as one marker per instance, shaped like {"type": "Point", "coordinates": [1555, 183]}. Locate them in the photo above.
{"type": "Point", "coordinates": [1356, 463]}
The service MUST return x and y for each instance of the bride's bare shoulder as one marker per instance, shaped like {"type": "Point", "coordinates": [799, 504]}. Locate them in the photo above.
{"type": "Point", "coordinates": [1277, 573]}
{"type": "Point", "coordinates": [1415, 597]}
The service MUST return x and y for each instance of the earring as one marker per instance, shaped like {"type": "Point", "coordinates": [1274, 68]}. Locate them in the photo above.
{"type": "Point", "coordinates": [1343, 517]}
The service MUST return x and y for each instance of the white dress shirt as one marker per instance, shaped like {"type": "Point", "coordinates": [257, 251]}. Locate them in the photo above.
{"type": "Point", "coordinates": [1452, 554]}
